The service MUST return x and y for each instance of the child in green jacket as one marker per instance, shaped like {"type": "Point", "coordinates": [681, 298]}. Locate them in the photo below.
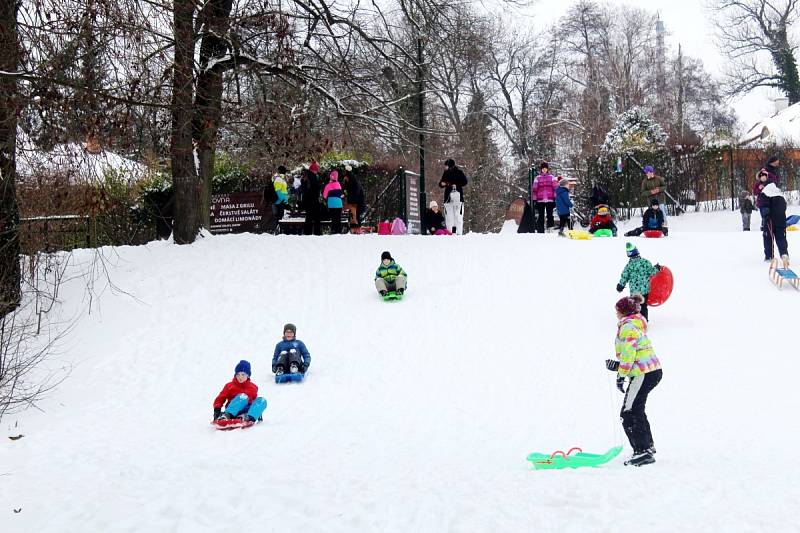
{"type": "Point", "coordinates": [637, 272]}
{"type": "Point", "coordinates": [390, 276]}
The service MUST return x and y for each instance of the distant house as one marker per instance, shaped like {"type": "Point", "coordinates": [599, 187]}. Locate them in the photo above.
{"type": "Point", "coordinates": [782, 128]}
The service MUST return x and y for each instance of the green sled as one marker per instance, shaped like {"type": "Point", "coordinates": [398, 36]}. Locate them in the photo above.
{"type": "Point", "coordinates": [391, 295]}
{"type": "Point", "coordinates": [559, 459]}
{"type": "Point", "coordinates": [603, 233]}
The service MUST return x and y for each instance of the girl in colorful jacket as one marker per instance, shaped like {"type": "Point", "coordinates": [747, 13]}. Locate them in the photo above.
{"type": "Point", "coordinates": [636, 362]}
{"type": "Point", "coordinates": [390, 276]}
{"type": "Point", "coordinates": [241, 397]}
{"type": "Point", "coordinates": [543, 192]}
{"type": "Point", "coordinates": [333, 195]}
{"type": "Point", "coordinates": [637, 272]}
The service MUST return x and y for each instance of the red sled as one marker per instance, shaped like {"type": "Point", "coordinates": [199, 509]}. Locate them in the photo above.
{"type": "Point", "coordinates": [660, 287]}
{"type": "Point", "coordinates": [653, 234]}
{"type": "Point", "coordinates": [227, 424]}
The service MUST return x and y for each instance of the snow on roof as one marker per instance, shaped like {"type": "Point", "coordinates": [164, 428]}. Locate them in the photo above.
{"type": "Point", "coordinates": [781, 128]}
{"type": "Point", "coordinates": [74, 160]}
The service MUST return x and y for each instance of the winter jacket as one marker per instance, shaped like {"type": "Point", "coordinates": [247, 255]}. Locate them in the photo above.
{"type": "Point", "coordinates": [390, 273]}
{"type": "Point", "coordinates": [653, 219]}
{"type": "Point", "coordinates": [453, 176]}
{"type": "Point", "coordinates": [563, 202]}
{"type": "Point", "coordinates": [281, 189]}
{"type": "Point", "coordinates": [745, 204]}
{"type": "Point", "coordinates": [777, 212]}
{"type": "Point", "coordinates": [353, 190]}
{"type": "Point", "coordinates": [543, 188]}
{"type": "Point", "coordinates": [309, 191]}
{"type": "Point", "coordinates": [601, 222]}
{"type": "Point", "coordinates": [333, 193]}
{"type": "Point", "coordinates": [634, 350]}
{"type": "Point", "coordinates": [433, 221]}
{"type": "Point", "coordinates": [285, 346]}
{"type": "Point", "coordinates": [761, 200]}
{"type": "Point", "coordinates": [232, 389]}
{"type": "Point", "coordinates": [656, 182]}
{"type": "Point", "coordinates": [638, 272]}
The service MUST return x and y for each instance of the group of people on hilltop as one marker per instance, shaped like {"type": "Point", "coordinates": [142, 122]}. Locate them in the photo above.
{"type": "Point", "coordinates": [434, 222]}
{"type": "Point", "coordinates": [314, 195]}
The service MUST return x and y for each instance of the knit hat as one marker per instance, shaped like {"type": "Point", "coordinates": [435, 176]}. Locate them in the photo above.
{"type": "Point", "coordinates": [631, 250]}
{"type": "Point", "coordinates": [773, 159]}
{"type": "Point", "coordinates": [629, 305]}
{"type": "Point", "coordinates": [603, 211]}
{"type": "Point", "coordinates": [563, 182]}
{"type": "Point", "coordinates": [243, 366]}
{"type": "Point", "coordinates": [544, 164]}
{"type": "Point", "coordinates": [449, 163]}
{"type": "Point", "coordinates": [314, 166]}
{"type": "Point", "coordinates": [648, 169]}
{"type": "Point", "coordinates": [654, 200]}
{"type": "Point", "coordinates": [433, 204]}
{"type": "Point", "coordinates": [334, 176]}
{"type": "Point", "coordinates": [348, 168]}
{"type": "Point", "coordinates": [386, 255]}
{"type": "Point", "coordinates": [771, 190]}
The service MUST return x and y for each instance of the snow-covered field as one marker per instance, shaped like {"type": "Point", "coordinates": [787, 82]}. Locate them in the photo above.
{"type": "Point", "coordinates": [417, 415]}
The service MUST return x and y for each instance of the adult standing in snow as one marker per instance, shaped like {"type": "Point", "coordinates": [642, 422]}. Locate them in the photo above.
{"type": "Point", "coordinates": [354, 193]}
{"type": "Point", "coordinates": [776, 224]}
{"type": "Point", "coordinates": [333, 196]}
{"type": "Point", "coordinates": [773, 169]}
{"type": "Point", "coordinates": [762, 203]}
{"type": "Point", "coordinates": [452, 178]}
{"type": "Point", "coordinates": [636, 362]}
{"type": "Point", "coordinates": [655, 187]}
{"type": "Point", "coordinates": [309, 197]}
{"type": "Point", "coordinates": [543, 192]}
{"type": "Point", "coordinates": [637, 272]}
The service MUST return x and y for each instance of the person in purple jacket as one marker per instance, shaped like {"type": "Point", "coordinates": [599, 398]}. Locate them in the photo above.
{"type": "Point", "coordinates": [543, 192]}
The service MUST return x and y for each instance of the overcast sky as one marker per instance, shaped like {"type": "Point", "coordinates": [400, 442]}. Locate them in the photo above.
{"type": "Point", "coordinates": [688, 24]}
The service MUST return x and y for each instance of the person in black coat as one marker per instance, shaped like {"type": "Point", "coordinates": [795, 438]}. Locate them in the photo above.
{"type": "Point", "coordinates": [433, 220]}
{"type": "Point", "coordinates": [776, 224]}
{"type": "Point", "coordinates": [452, 177]}
{"type": "Point", "coordinates": [355, 197]}
{"type": "Point", "coordinates": [309, 195]}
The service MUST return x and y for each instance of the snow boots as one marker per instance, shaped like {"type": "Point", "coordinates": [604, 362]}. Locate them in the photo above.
{"type": "Point", "coordinates": [641, 458]}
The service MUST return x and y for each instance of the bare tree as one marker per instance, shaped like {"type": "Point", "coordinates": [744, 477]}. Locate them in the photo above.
{"type": "Point", "coordinates": [756, 35]}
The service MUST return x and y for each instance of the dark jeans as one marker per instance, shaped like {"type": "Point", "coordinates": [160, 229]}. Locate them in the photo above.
{"type": "Point", "coordinates": [779, 234]}
{"type": "Point", "coordinates": [277, 211]}
{"type": "Point", "coordinates": [644, 307]}
{"type": "Point", "coordinates": [336, 220]}
{"type": "Point", "coordinates": [312, 222]}
{"type": "Point", "coordinates": [541, 207]}
{"type": "Point", "coordinates": [285, 360]}
{"type": "Point", "coordinates": [766, 233]}
{"type": "Point", "coordinates": [634, 419]}
{"type": "Point", "coordinates": [563, 222]}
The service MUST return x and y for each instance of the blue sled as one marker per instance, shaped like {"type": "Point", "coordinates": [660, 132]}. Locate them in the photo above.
{"type": "Point", "coordinates": [295, 377]}
{"type": "Point", "coordinates": [792, 220]}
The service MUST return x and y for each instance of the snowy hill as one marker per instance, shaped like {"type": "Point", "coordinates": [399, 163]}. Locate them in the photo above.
{"type": "Point", "coordinates": [417, 415]}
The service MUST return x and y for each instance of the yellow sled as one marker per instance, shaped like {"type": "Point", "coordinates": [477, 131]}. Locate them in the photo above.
{"type": "Point", "coordinates": [579, 234]}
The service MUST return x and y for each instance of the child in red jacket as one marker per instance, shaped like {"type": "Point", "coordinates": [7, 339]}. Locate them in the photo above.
{"type": "Point", "coordinates": [241, 397]}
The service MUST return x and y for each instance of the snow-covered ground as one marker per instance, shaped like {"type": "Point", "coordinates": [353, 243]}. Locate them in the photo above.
{"type": "Point", "coordinates": [416, 415]}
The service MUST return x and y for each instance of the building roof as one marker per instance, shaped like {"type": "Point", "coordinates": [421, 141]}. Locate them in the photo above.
{"type": "Point", "coordinates": [781, 128]}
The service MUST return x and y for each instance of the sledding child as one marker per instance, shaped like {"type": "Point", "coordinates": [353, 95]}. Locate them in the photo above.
{"type": "Point", "coordinates": [636, 362]}
{"type": "Point", "coordinates": [746, 207]}
{"type": "Point", "coordinates": [390, 276]}
{"type": "Point", "coordinates": [637, 272]}
{"type": "Point", "coordinates": [290, 353]}
{"type": "Point", "coordinates": [602, 220]}
{"type": "Point", "coordinates": [240, 397]}
{"type": "Point", "coordinates": [652, 219]}
{"type": "Point", "coordinates": [563, 205]}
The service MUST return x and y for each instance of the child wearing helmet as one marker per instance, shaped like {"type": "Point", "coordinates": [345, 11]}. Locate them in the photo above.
{"type": "Point", "coordinates": [602, 220]}
{"type": "Point", "coordinates": [291, 354]}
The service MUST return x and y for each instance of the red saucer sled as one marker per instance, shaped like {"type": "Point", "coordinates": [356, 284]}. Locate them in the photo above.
{"type": "Point", "coordinates": [653, 233]}
{"type": "Point", "coordinates": [660, 287]}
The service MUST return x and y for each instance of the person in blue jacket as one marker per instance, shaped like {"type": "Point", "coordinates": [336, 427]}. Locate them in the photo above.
{"type": "Point", "coordinates": [563, 205]}
{"type": "Point", "coordinates": [291, 353]}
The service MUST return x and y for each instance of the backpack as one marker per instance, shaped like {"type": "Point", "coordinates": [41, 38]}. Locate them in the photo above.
{"type": "Point", "coordinates": [398, 227]}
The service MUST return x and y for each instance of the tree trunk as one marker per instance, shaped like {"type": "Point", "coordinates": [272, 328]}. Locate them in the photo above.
{"type": "Point", "coordinates": [9, 212]}
{"type": "Point", "coordinates": [208, 100]}
{"type": "Point", "coordinates": [184, 170]}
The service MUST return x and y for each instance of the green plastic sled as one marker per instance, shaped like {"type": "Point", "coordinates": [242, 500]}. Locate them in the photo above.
{"type": "Point", "coordinates": [559, 459]}
{"type": "Point", "coordinates": [603, 233]}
